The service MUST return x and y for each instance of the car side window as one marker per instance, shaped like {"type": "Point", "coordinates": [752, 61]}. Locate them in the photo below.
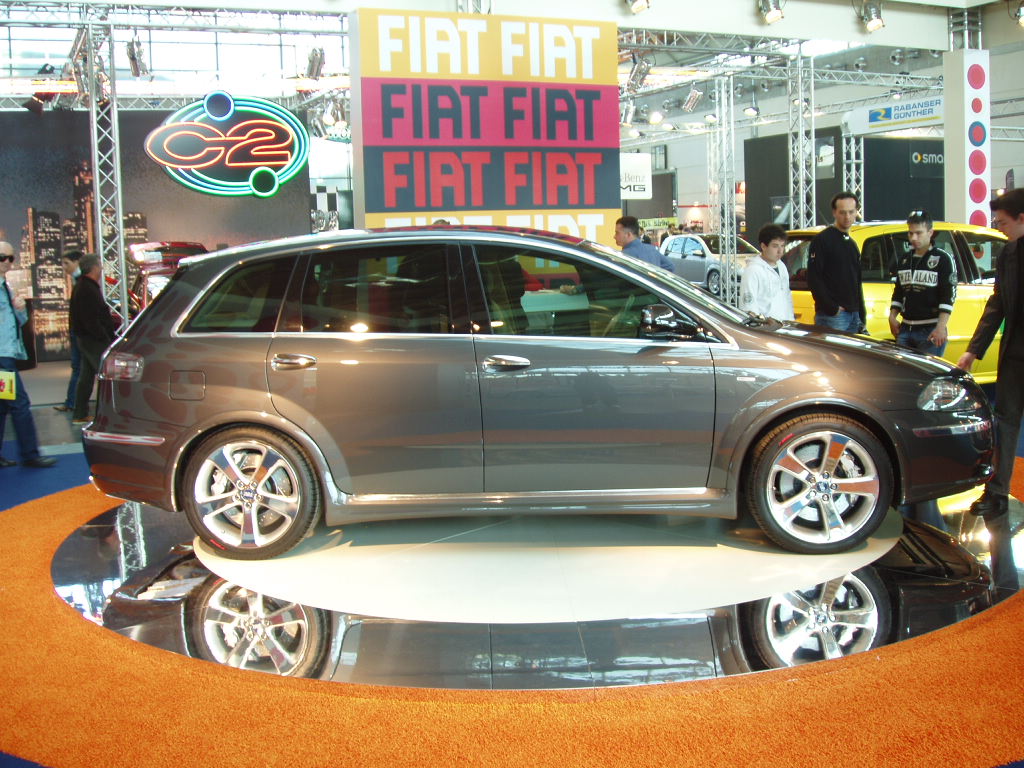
{"type": "Point", "coordinates": [985, 250]}
{"type": "Point", "coordinates": [246, 300]}
{"type": "Point", "coordinates": [692, 247]}
{"type": "Point", "coordinates": [541, 294]}
{"type": "Point", "coordinates": [401, 289]}
{"type": "Point", "coordinates": [877, 261]}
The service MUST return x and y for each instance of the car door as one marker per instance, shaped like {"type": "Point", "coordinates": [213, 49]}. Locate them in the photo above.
{"type": "Point", "coordinates": [978, 253]}
{"type": "Point", "coordinates": [694, 263]}
{"type": "Point", "coordinates": [571, 398]}
{"type": "Point", "coordinates": [369, 360]}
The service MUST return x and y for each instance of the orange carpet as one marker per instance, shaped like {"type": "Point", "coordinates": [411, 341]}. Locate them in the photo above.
{"type": "Point", "coordinates": [75, 694]}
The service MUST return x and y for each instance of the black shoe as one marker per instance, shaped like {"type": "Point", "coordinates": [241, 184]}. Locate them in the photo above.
{"type": "Point", "coordinates": [7, 463]}
{"type": "Point", "coordinates": [990, 506]}
{"type": "Point", "coordinates": [41, 463]}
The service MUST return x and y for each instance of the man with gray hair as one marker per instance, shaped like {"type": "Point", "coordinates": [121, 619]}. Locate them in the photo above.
{"type": "Point", "coordinates": [13, 315]}
{"type": "Point", "coordinates": [93, 326]}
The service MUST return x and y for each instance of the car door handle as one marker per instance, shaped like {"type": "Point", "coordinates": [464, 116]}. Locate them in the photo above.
{"type": "Point", "coordinates": [292, 362]}
{"type": "Point", "coordinates": [505, 363]}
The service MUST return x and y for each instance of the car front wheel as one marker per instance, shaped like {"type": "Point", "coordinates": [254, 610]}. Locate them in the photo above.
{"type": "Point", "coordinates": [250, 493]}
{"type": "Point", "coordinates": [819, 484]}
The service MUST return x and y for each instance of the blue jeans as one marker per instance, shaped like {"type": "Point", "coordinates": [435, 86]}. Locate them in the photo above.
{"type": "Point", "coordinates": [20, 410]}
{"type": "Point", "coordinates": [916, 337]}
{"type": "Point", "coordinates": [76, 364]}
{"type": "Point", "coordinates": [843, 321]}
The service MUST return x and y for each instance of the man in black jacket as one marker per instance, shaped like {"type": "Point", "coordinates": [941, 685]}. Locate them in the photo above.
{"type": "Point", "coordinates": [1006, 304]}
{"type": "Point", "coordinates": [833, 270]}
{"type": "Point", "coordinates": [93, 327]}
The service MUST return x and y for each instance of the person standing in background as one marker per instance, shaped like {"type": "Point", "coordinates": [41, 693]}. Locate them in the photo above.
{"type": "Point", "coordinates": [924, 292]}
{"type": "Point", "coordinates": [93, 326]}
{"type": "Point", "coordinates": [764, 288]}
{"type": "Point", "coordinates": [69, 261]}
{"type": "Point", "coordinates": [627, 237]}
{"type": "Point", "coordinates": [13, 315]}
{"type": "Point", "coordinates": [1005, 308]}
{"type": "Point", "coordinates": [833, 270]}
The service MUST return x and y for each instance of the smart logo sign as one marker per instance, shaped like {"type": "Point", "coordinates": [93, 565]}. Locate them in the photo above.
{"type": "Point", "coordinates": [232, 147]}
{"type": "Point", "coordinates": [486, 120]}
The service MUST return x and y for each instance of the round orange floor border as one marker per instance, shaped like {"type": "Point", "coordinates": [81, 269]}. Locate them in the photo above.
{"type": "Point", "coordinates": [75, 694]}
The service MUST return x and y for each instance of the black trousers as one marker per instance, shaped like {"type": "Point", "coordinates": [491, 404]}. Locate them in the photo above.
{"type": "Point", "coordinates": [91, 350]}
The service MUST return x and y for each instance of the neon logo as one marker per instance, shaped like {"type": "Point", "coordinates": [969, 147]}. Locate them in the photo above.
{"type": "Point", "coordinates": [231, 147]}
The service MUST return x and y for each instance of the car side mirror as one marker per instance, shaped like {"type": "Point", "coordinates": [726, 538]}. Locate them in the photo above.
{"type": "Point", "coordinates": [659, 321]}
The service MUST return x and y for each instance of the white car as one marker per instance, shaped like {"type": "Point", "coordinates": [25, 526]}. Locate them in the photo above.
{"type": "Point", "coordinates": [697, 258]}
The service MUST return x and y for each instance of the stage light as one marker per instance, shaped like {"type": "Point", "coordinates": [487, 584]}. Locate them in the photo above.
{"type": "Point", "coordinates": [626, 111]}
{"type": "Point", "coordinates": [871, 15]}
{"type": "Point", "coordinates": [860, 64]}
{"type": "Point", "coordinates": [638, 6]}
{"type": "Point", "coordinates": [137, 58]}
{"type": "Point", "coordinates": [751, 111]}
{"type": "Point", "coordinates": [41, 98]}
{"type": "Point", "coordinates": [315, 65]}
{"type": "Point", "coordinates": [691, 99]}
{"type": "Point", "coordinates": [1019, 13]}
{"type": "Point", "coordinates": [771, 10]}
{"type": "Point", "coordinates": [710, 118]}
{"type": "Point", "coordinates": [655, 117]}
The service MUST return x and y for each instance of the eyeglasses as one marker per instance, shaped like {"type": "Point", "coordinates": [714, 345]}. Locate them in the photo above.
{"type": "Point", "coordinates": [6, 257]}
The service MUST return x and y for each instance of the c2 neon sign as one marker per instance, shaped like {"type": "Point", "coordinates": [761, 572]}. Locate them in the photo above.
{"type": "Point", "coordinates": [233, 147]}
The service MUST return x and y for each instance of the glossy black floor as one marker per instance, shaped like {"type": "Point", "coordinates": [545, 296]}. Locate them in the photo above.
{"type": "Point", "coordinates": [132, 570]}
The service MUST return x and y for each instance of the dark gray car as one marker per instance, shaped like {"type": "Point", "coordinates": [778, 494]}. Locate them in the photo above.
{"type": "Point", "coordinates": [439, 371]}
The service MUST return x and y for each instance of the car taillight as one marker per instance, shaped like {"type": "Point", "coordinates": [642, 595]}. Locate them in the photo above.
{"type": "Point", "coordinates": [120, 366]}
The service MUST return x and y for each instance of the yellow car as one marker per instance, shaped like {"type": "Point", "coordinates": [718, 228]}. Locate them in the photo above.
{"type": "Point", "coordinates": [973, 248]}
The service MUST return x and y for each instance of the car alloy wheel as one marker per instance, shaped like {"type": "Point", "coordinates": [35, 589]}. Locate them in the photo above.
{"type": "Point", "coordinates": [714, 283]}
{"type": "Point", "coordinates": [844, 615]}
{"type": "Point", "coordinates": [250, 493]}
{"type": "Point", "coordinates": [819, 483]}
{"type": "Point", "coordinates": [238, 627]}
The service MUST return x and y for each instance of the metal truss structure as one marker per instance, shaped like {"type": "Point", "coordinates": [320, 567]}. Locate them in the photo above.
{"type": "Point", "coordinates": [722, 176]}
{"type": "Point", "coordinates": [853, 165]}
{"type": "Point", "coordinates": [801, 145]}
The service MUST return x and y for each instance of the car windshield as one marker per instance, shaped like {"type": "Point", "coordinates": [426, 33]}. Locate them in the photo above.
{"type": "Point", "coordinates": [671, 281]}
{"type": "Point", "coordinates": [742, 246]}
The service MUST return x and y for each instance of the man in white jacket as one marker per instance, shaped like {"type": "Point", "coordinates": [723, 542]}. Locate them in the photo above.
{"type": "Point", "coordinates": [764, 289]}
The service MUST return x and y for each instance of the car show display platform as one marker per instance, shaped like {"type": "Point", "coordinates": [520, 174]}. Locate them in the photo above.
{"type": "Point", "coordinates": [514, 602]}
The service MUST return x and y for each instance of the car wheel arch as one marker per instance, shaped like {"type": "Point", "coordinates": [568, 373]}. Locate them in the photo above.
{"type": "Point", "coordinates": [743, 456]}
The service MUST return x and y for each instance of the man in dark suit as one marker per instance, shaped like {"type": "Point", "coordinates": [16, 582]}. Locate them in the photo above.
{"type": "Point", "coordinates": [1006, 305]}
{"type": "Point", "coordinates": [93, 327]}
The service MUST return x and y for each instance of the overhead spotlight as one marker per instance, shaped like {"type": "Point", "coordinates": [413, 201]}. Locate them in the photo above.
{"type": "Point", "coordinates": [137, 58]}
{"type": "Point", "coordinates": [871, 15]}
{"type": "Point", "coordinates": [710, 118]}
{"type": "Point", "coordinates": [1018, 15]}
{"type": "Point", "coordinates": [626, 112]}
{"type": "Point", "coordinates": [315, 65]}
{"type": "Point", "coordinates": [765, 87]}
{"type": "Point", "coordinates": [896, 58]}
{"type": "Point", "coordinates": [691, 99]}
{"type": "Point", "coordinates": [655, 117]}
{"type": "Point", "coordinates": [637, 73]}
{"type": "Point", "coordinates": [770, 10]}
{"type": "Point", "coordinates": [40, 99]}
{"type": "Point", "coordinates": [860, 64]}
{"type": "Point", "coordinates": [638, 6]}
{"type": "Point", "coordinates": [751, 111]}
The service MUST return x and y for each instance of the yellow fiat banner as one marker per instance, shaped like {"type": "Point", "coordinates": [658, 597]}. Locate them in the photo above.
{"type": "Point", "coordinates": [481, 118]}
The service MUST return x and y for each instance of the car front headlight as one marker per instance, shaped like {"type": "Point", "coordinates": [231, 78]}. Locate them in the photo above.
{"type": "Point", "coordinates": [948, 395]}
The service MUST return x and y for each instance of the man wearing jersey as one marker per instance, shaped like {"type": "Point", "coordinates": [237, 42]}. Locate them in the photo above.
{"type": "Point", "coordinates": [925, 290]}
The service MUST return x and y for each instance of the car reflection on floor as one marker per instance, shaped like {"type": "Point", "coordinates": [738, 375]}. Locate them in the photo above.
{"type": "Point", "coordinates": [172, 601]}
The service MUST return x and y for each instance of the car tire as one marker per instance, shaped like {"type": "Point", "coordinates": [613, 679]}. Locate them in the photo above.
{"type": "Point", "coordinates": [819, 483]}
{"type": "Point", "coordinates": [714, 283]}
{"type": "Point", "coordinates": [235, 626]}
{"type": "Point", "coordinates": [845, 615]}
{"type": "Point", "coordinates": [244, 516]}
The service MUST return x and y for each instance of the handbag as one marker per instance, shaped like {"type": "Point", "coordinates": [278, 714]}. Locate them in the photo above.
{"type": "Point", "coordinates": [7, 385]}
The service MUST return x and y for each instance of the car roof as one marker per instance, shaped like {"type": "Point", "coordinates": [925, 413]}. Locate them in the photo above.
{"type": "Point", "coordinates": [321, 240]}
{"type": "Point", "coordinates": [885, 227]}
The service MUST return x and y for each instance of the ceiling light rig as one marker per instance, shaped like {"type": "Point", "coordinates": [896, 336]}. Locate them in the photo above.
{"type": "Point", "coordinates": [770, 10]}
{"type": "Point", "coordinates": [638, 6]}
{"type": "Point", "coordinates": [871, 16]}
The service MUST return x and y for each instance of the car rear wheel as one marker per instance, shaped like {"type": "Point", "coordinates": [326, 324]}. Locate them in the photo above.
{"type": "Point", "coordinates": [819, 483]}
{"type": "Point", "coordinates": [845, 615]}
{"type": "Point", "coordinates": [714, 283]}
{"type": "Point", "coordinates": [250, 493]}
